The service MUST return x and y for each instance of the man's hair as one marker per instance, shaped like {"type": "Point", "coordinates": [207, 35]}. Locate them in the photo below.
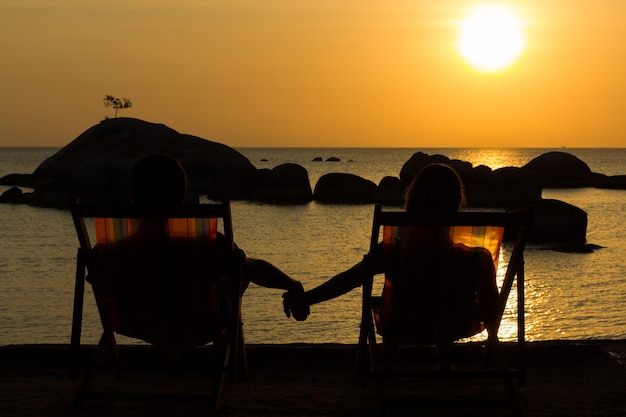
{"type": "Point", "coordinates": [158, 180]}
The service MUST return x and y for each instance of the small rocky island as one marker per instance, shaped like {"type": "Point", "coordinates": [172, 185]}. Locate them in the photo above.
{"type": "Point", "coordinates": [95, 167]}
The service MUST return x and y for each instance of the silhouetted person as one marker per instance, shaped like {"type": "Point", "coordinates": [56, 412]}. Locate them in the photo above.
{"type": "Point", "coordinates": [467, 274]}
{"type": "Point", "coordinates": [160, 180]}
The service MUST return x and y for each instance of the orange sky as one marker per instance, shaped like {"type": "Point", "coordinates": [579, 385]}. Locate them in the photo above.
{"type": "Point", "coordinates": [312, 73]}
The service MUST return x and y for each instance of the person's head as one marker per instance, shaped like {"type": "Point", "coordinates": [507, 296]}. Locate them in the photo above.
{"type": "Point", "coordinates": [436, 190]}
{"type": "Point", "coordinates": [158, 180]}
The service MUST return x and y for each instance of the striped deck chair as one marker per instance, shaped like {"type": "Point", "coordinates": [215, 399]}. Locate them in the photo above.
{"type": "Point", "coordinates": [166, 277]}
{"type": "Point", "coordinates": [440, 287]}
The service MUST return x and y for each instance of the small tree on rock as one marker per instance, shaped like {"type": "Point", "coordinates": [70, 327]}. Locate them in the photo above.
{"type": "Point", "coordinates": [117, 103]}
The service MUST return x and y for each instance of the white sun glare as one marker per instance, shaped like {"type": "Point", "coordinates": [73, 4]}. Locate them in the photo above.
{"type": "Point", "coordinates": [491, 37]}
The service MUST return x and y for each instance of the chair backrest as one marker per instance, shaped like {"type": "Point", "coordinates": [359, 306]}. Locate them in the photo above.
{"type": "Point", "coordinates": [165, 276]}
{"type": "Point", "coordinates": [440, 274]}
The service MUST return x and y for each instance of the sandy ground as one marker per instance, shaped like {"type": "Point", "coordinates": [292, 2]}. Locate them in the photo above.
{"type": "Point", "coordinates": [563, 379]}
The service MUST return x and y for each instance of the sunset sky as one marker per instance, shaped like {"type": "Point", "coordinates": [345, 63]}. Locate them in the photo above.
{"type": "Point", "coordinates": [312, 73]}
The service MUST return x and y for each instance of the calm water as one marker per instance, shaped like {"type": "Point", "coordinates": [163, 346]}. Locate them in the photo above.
{"type": "Point", "coordinates": [569, 296]}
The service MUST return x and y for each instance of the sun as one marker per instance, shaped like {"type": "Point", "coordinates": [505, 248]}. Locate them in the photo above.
{"type": "Point", "coordinates": [491, 37]}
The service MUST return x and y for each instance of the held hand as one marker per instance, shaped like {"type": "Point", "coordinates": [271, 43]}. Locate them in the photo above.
{"type": "Point", "coordinates": [294, 303]}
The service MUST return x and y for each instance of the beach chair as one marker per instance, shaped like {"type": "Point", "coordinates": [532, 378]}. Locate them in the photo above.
{"type": "Point", "coordinates": [423, 314]}
{"type": "Point", "coordinates": [163, 276]}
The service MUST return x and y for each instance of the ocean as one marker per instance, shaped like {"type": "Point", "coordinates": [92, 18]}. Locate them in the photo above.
{"type": "Point", "coordinates": [568, 296]}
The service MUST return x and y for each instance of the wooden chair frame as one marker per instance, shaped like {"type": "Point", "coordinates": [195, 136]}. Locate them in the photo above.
{"type": "Point", "coordinates": [517, 225]}
{"type": "Point", "coordinates": [229, 350]}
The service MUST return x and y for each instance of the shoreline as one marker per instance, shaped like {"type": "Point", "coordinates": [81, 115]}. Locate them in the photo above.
{"type": "Point", "coordinates": [563, 377]}
{"type": "Point", "coordinates": [335, 354]}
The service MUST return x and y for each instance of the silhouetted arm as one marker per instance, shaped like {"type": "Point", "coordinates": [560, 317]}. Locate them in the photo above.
{"type": "Point", "coordinates": [338, 285]}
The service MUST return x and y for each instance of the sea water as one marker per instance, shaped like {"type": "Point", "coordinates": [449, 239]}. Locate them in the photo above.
{"type": "Point", "coordinates": [568, 296]}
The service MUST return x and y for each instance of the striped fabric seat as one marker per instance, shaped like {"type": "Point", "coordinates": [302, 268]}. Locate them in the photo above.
{"type": "Point", "coordinates": [441, 295]}
{"type": "Point", "coordinates": [156, 279]}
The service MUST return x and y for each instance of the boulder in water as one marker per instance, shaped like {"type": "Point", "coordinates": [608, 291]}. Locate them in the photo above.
{"type": "Point", "coordinates": [285, 184]}
{"type": "Point", "coordinates": [341, 188]}
{"type": "Point", "coordinates": [558, 222]}
{"type": "Point", "coordinates": [561, 170]}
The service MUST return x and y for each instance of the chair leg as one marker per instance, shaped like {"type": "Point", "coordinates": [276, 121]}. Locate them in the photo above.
{"type": "Point", "coordinates": [362, 356]}
{"type": "Point", "coordinates": [242, 354]}
{"type": "Point", "coordinates": [77, 317]}
{"type": "Point", "coordinates": [225, 353]}
{"type": "Point", "coordinates": [369, 360]}
{"type": "Point", "coordinates": [237, 366]}
{"type": "Point", "coordinates": [106, 343]}
{"type": "Point", "coordinates": [378, 361]}
{"type": "Point", "coordinates": [230, 357]}
{"type": "Point", "coordinates": [495, 348]}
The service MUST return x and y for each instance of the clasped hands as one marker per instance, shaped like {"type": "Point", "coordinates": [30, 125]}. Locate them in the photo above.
{"type": "Point", "coordinates": [295, 304]}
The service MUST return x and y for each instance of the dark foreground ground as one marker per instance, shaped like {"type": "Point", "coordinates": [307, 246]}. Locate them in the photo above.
{"type": "Point", "coordinates": [563, 379]}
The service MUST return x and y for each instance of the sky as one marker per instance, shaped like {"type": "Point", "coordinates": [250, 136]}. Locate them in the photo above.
{"type": "Point", "coordinates": [312, 73]}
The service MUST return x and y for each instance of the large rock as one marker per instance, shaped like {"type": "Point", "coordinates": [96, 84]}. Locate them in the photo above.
{"type": "Point", "coordinates": [558, 222]}
{"type": "Point", "coordinates": [390, 191]}
{"type": "Point", "coordinates": [12, 196]}
{"type": "Point", "coordinates": [507, 187]}
{"type": "Point", "coordinates": [285, 184]}
{"type": "Point", "coordinates": [341, 188]}
{"type": "Point", "coordinates": [419, 160]}
{"type": "Point", "coordinates": [96, 165]}
{"type": "Point", "coordinates": [561, 170]}
{"type": "Point", "coordinates": [615, 182]}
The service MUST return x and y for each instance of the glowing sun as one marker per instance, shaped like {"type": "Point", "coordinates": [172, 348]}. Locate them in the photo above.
{"type": "Point", "coordinates": [491, 38]}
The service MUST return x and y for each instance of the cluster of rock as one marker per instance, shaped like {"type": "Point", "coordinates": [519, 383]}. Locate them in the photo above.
{"type": "Point", "coordinates": [96, 166]}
